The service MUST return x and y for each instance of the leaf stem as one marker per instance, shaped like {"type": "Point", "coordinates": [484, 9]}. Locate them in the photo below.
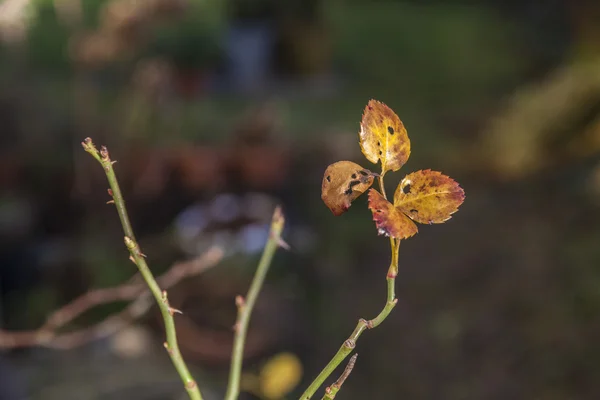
{"type": "Point", "coordinates": [382, 186]}
{"type": "Point", "coordinates": [138, 258]}
{"type": "Point", "coordinates": [394, 243]}
{"type": "Point", "coordinates": [245, 306]}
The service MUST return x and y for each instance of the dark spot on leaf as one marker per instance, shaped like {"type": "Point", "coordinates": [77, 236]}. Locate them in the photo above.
{"type": "Point", "coordinates": [380, 152]}
{"type": "Point", "coordinates": [390, 130]}
{"type": "Point", "coordinates": [378, 143]}
{"type": "Point", "coordinates": [413, 211]}
{"type": "Point", "coordinates": [353, 183]}
{"type": "Point", "coordinates": [378, 211]}
{"type": "Point", "coordinates": [348, 191]}
{"type": "Point", "coordinates": [406, 189]}
{"type": "Point", "coordinates": [328, 178]}
{"type": "Point", "coordinates": [353, 176]}
{"type": "Point", "coordinates": [363, 173]}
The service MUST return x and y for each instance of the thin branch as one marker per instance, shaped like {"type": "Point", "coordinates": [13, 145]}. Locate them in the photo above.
{"type": "Point", "coordinates": [135, 291]}
{"type": "Point", "coordinates": [332, 390]}
{"type": "Point", "coordinates": [138, 258]}
{"type": "Point", "coordinates": [245, 306]}
{"type": "Point", "coordinates": [363, 324]}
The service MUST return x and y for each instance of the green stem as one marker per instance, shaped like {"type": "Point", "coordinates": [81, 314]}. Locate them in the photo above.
{"type": "Point", "coordinates": [363, 324]}
{"type": "Point", "coordinates": [349, 345]}
{"type": "Point", "coordinates": [245, 306]}
{"type": "Point", "coordinates": [138, 258]}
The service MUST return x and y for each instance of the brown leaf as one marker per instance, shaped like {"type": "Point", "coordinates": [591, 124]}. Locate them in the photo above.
{"type": "Point", "coordinates": [342, 183]}
{"type": "Point", "coordinates": [389, 220]}
{"type": "Point", "coordinates": [428, 197]}
{"type": "Point", "coordinates": [383, 137]}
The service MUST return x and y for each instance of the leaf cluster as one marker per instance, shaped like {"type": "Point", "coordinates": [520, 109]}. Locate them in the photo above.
{"type": "Point", "coordinates": [425, 196]}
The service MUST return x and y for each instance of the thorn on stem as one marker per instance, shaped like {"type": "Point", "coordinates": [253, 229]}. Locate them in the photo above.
{"type": "Point", "coordinates": [240, 302]}
{"type": "Point", "coordinates": [131, 259]}
{"type": "Point", "coordinates": [110, 202]}
{"type": "Point", "coordinates": [173, 311]}
{"type": "Point", "coordinates": [168, 348]}
{"type": "Point", "coordinates": [283, 244]}
{"type": "Point", "coordinates": [142, 254]}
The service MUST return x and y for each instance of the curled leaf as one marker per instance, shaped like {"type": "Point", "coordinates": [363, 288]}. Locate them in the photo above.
{"type": "Point", "coordinates": [389, 220]}
{"type": "Point", "coordinates": [342, 183]}
{"type": "Point", "coordinates": [428, 197]}
{"type": "Point", "coordinates": [383, 137]}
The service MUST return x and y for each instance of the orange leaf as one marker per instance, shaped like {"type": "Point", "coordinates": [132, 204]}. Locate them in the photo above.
{"type": "Point", "coordinates": [342, 183]}
{"type": "Point", "coordinates": [428, 197]}
{"type": "Point", "coordinates": [389, 220]}
{"type": "Point", "coordinates": [383, 137]}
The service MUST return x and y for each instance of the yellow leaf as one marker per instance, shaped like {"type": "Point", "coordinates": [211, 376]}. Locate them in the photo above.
{"type": "Point", "coordinates": [280, 375]}
{"type": "Point", "coordinates": [389, 220]}
{"type": "Point", "coordinates": [383, 137]}
{"type": "Point", "coordinates": [428, 197]}
{"type": "Point", "coordinates": [342, 183]}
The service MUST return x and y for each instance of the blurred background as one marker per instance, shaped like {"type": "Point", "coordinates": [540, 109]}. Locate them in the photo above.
{"type": "Point", "coordinates": [217, 110]}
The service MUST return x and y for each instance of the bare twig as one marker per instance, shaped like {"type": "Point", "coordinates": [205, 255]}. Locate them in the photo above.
{"type": "Point", "coordinates": [135, 291]}
{"type": "Point", "coordinates": [246, 305]}
{"type": "Point", "coordinates": [139, 258]}
{"type": "Point", "coordinates": [332, 390]}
